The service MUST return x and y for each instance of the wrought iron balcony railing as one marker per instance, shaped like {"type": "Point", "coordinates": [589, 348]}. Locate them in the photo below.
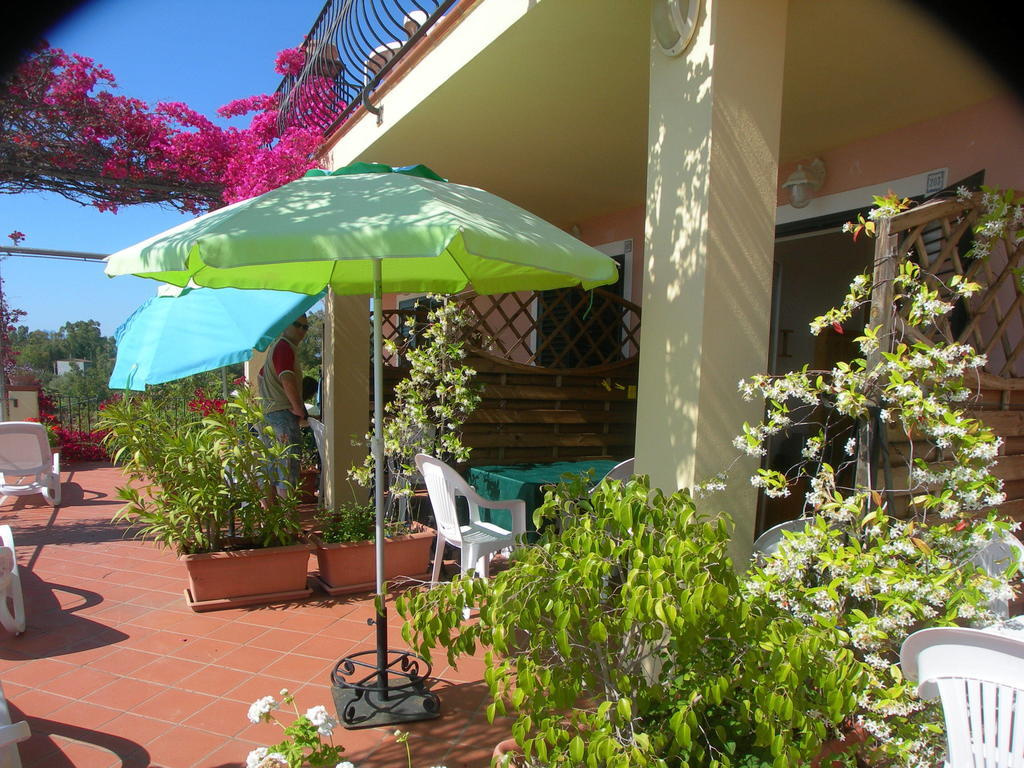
{"type": "Point", "coordinates": [350, 50]}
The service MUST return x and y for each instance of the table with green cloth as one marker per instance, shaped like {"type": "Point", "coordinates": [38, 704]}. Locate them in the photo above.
{"type": "Point", "coordinates": [525, 481]}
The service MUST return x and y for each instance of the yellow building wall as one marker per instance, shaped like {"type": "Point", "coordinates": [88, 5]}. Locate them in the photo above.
{"type": "Point", "coordinates": [713, 151]}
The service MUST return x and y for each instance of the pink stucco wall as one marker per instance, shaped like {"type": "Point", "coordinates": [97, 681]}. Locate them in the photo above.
{"type": "Point", "coordinates": [621, 225]}
{"type": "Point", "coordinates": [988, 136]}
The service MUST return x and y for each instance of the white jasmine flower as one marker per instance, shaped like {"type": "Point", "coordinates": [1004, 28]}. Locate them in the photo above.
{"type": "Point", "coordinates": [993, 228]}
{"type": "Point", "coordinates": [256, 757]}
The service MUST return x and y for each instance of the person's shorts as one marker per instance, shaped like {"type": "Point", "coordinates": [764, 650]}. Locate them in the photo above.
{"type": "Point", "coordinates": [286, 429]}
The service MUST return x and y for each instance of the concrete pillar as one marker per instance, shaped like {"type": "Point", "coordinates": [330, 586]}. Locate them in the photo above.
{"type": "Point", "coordinates": [711, 182]}
{"type": "Point", "coordinates": [346, 399]}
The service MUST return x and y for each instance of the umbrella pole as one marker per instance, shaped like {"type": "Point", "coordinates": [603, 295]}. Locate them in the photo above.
{"type": "Point", "coordinates": [392, 689]}
{"type": "Point", "coordinates": [378, 469]}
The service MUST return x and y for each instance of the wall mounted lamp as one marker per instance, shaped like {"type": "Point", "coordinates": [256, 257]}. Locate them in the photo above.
{"type": "Point", "coordinates": [674, 23]}
{"type": "Point", "coordinates": [804, 182]}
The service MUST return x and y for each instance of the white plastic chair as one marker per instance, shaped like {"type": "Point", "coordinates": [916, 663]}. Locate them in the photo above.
{"type": "Point", "coordinates": [979, 677]}
{"type": "Point", "coordinates": [12, 604]}
{"type": "Point", "coordinates": [478, 540]}
{"type": "Point", "coordinates": [10, 735]}
{"type": "Point", "coordinates": [994, 558]}
{"type": "Point", "coordinates": [620, 472]}
{"type": "Point", "coordinates": [27, 463]}
{"type": "Point", "coordinates": [768, 542]}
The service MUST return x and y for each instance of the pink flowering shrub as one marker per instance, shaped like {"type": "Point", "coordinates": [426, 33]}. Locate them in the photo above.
{"type": "Point", "coordinates": [66, 130]}
{"type": "Point", "coordinates": [205, 405]}
{"type": "Point", "coordinates": [290, 61]}
{"type": "Point", "coordinates": [73, 444]}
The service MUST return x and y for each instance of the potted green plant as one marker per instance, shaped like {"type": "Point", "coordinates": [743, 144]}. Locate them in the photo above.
{"type": "Point", "coordinates": [199, 486]}
{"type": "Point", "coordinates": [344, 550]}
{"type": "Point", "coordinates": [429, 406]}
{"type": "Point", "coordinates": [309, 470]}
{"type": "Point", "coordinates": [624, 639]}
{"type": "Point", "coordinates": [424, 416]}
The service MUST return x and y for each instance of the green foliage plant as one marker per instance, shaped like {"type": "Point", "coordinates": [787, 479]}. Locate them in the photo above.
{"type": "Point", "coordinates": [430, 405]}
{"type": "Point", "coordinates": [878, 563]}
{"type": "Point", "coordinates": [623, 639]}
{"type": "Point", "coordinates": [199, 486]}
{"type": "Point", "coordinates": [348, 523]}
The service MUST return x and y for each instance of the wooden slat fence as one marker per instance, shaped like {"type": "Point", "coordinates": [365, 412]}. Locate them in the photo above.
{"type": "Point", "coordinates": [538, 413]}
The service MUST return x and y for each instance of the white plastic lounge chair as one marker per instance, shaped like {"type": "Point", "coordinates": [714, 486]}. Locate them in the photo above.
{"type": "Point", "coordinates": [768, 542]}
{"type": "Point", "coordinates": [27, 463]}
{"type": "Point", "coordinates": [478, 540]}
{"type": "Point", "coordinates": [10, 735]}
{"type": "Point", "coordinates": [979, 677]}
{"type": "Point", "coordinates": [12, 604]}
{"type": "Point", "coordinates": [994, 558]}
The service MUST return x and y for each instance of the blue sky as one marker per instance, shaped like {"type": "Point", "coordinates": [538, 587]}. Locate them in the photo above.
{"type": "Point", "coordinates": [202, 52]}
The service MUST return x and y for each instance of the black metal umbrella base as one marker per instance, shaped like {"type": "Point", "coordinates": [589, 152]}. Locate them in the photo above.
{"type": "Point", "coordinates": [366, 695]}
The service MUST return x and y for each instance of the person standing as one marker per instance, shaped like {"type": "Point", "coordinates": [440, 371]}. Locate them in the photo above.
{"type": "Point", "coordinates": [280, 388]}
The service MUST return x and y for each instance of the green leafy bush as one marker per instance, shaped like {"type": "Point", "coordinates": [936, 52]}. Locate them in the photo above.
{"type": "Point", "coordinates": [623, 639]}
{"type": "Point", "coordinates": [199, 486]}
{"type": "Point", "coordinates": [350, 522]}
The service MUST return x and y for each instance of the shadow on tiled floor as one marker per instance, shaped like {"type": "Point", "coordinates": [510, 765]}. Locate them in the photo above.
{"type": "Point", "coordinates": [115, 670]}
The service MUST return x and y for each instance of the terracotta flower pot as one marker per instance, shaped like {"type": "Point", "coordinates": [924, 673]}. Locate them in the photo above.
{"type": "Point", "coordinates": [350, 567]}
{"type": "Point", "coordinates": [246, 577]}
{"type": "Point", "coordinates": [503, 748]}
{"type": "Point", "coordinates": [854, 739]}
{"type": "Point", "coordinates": [309, 484]}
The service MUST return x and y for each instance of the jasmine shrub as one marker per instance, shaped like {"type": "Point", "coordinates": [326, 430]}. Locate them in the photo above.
{"type": "Point", "coordinates": [878, 563]}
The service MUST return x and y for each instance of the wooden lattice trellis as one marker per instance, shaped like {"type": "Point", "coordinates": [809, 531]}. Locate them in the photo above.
{"type": "Point", "coordinates": [938, 237]}
{"type": "Point", "coordinates": [563, 329]}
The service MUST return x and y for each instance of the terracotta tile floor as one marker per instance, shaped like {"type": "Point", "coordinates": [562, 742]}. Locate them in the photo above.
{"type": "Point", "coordinates": [115, 670]}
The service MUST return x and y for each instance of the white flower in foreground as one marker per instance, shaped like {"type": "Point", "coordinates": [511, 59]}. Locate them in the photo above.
{"type": "Point", "coordinates": [345, 764]}
{"type": "Point", "coordinates": [256, 757]}
{"type": "Point", "coordinates": [321, 718]}
{"type": "Point", "coordinates": [261, 709]}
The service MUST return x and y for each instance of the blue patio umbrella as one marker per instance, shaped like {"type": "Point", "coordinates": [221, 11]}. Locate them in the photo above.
{"type": "Point", "coordinates": [199, 329]}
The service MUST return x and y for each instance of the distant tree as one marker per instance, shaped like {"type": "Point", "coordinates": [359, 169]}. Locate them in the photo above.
{"type": "Point", "coordinates": [9, 316]}
{"type": "Point", "coordinates": [88, 382]}
{"type": "Point", "coordinates": [63, 129]}
{"type": "Point", "coordinates": [311, 348]}
{"type": "Point", "coordinates": [35, 352]}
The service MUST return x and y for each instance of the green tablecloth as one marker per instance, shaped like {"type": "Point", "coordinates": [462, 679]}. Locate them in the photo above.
{"type": "Point", "coordinates": [524, 481]}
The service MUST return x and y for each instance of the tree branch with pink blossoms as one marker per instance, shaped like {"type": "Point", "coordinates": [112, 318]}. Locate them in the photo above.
{"type": "Point", "coordinates": [64, 129]}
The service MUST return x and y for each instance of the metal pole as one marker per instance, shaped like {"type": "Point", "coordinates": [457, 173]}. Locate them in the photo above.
{"type": "Point", "coordinates": [378, 469]}
{"type": "Point", "coordinates": [3, 354]}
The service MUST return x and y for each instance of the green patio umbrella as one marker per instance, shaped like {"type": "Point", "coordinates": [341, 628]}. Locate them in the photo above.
{"type": "Point", "coordinates": [366, 229]}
